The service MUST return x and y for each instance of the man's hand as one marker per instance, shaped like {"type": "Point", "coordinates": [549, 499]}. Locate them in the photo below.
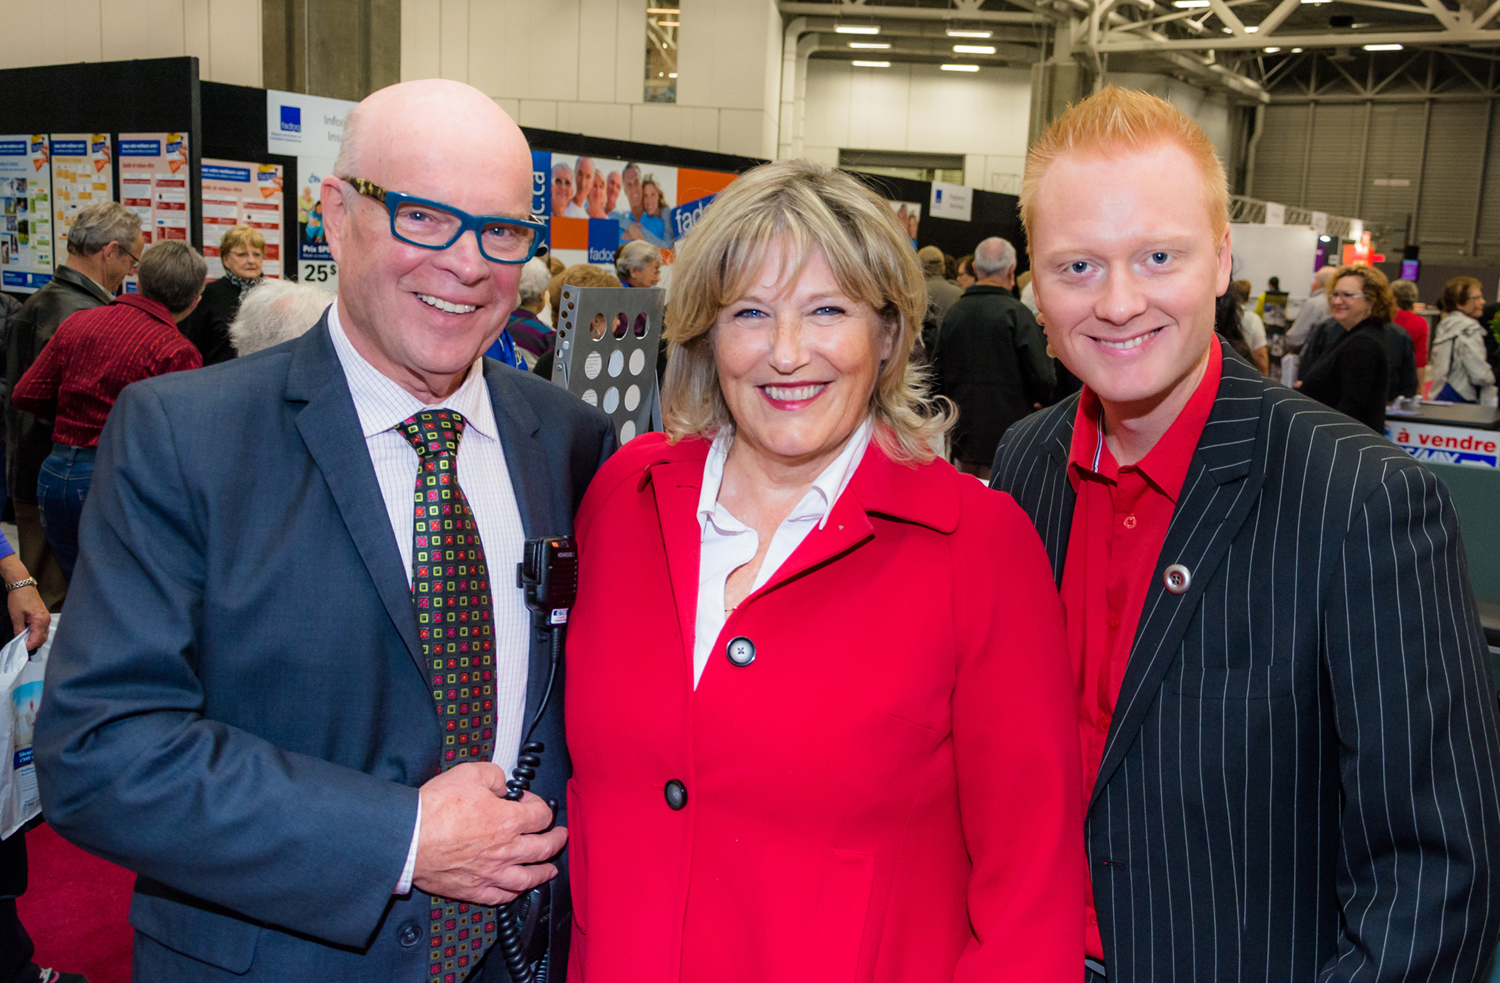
{"type": "Point", "coordinates": [476, 845]}
{"type": "Point", "coordinates": [25, 604]}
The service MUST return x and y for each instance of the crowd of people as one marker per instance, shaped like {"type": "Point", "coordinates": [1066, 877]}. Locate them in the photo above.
{"type": "Point", "coordinates": [1189, 684]}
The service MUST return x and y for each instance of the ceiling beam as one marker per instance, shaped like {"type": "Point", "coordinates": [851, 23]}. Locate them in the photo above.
{"type": "Point", "coordinates": [1119, 41]}
{"type": "Point", "coordinates": [795, 9]}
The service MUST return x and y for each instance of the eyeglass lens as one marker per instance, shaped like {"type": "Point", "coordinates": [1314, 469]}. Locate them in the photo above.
{"type": "Point", "coordinates": [424, 225]}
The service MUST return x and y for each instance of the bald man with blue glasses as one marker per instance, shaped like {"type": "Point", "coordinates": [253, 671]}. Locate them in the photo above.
{"type": "Point", "coordinates": [297, 666]}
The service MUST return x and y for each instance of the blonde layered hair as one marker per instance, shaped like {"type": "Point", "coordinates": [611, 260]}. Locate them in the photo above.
{"type": "Point", "coordinates": [1115, 122]}
{"type": "Point", "coordinates": [808, 208]}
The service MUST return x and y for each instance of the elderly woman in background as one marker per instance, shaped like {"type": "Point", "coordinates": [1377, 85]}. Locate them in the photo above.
{"type": "Point", "coordinates": [782, 768]}
{"type": "Point", "coordinates": [526, 337]}
{"type": "Point", "coordinates": [1460, 371]}
{"type": "Point", "coordinates": [1409, 320]}
{"type": "Point", "coordinates": [1354, 373]}
{"type": "Point", "coordinates": [242, 250]}
{"type": "Point", "coordinates": [276, 311]}
{"type": "Point", "coordinates": [638, 264]}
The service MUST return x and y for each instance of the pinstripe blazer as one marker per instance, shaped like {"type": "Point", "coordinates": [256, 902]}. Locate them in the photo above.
{"type": "Point", "coordinates": [1300, 780]}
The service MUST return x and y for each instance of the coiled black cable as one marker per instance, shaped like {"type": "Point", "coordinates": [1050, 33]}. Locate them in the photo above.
{"type": "Point", "coordinates": [511, 939]}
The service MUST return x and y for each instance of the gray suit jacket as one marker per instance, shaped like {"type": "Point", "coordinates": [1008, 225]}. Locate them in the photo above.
{"type": "Point", "coordinates": [1300, 778]}
{"type": "Point", "coordinates": [236, 706]}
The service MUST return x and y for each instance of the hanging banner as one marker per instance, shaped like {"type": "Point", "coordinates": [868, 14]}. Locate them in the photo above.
{"type": "Point", "coordinates": [310, 128]}
{"type": "Point", "coordinates": [241, 193]}
{"type": "Point", "coordinates": [26, 203]}
{"type": "Point", "coordinates": [81, 176]}
{"type": "Point", "coordinates": [315, 260]}
{"type": "Point", "coordinates": [1446, 445]}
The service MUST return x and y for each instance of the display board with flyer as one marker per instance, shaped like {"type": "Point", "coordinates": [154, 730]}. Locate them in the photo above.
{"type": "Point", "coordinates": [1446, 445]}
{"type": "Point", "coordinates": [241, 193]}
{"type": "Point", "coordinates": [82, 175]}
{"type": "Point", "coordinates": [154, 183]}
{"type": "Point", "coordinates": [26, 204]}
{"type": "Point", "coordinates": [594, 205]}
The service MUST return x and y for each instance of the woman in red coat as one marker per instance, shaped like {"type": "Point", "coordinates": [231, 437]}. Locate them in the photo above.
{"type": "Point", "coordinates": [818, 701]}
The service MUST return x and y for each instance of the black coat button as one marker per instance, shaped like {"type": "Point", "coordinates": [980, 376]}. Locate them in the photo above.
{"type": "Point", "coordinates": [676, 795]}
{"type": "Point", "coordinates": [741, 651]}
{"type": "Point", "coordinates": [410, 935]}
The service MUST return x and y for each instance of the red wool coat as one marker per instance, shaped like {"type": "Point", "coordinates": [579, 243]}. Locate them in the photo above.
{"type": "Point", "coordinates": [890, 791]}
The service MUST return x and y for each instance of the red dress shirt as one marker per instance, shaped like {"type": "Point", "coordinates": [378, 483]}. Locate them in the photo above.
{"type": "Point", "coordinates": [1416, 326]}
{"type": "Point", "coordinates": [1119, 525]}
{"type": "Point", "coordinates": [95, 354]}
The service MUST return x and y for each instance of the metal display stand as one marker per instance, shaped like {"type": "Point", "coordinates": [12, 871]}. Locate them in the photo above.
{"type": "Point", "coordinates": [607, 340]}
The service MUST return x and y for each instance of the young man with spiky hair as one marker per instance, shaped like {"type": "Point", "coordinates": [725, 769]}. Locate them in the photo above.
{"type": "Point", "coordinates": [1288, 720]}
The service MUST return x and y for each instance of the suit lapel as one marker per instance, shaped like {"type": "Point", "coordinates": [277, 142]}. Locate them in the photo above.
{"type": "Point", "coordinates": [535, 487]}
{"type": "Point", "coordinates": [676, 484]}
{"type": "Point", "coordinates": [331, 431]}
{"type": "Point", "coordinates": [1222, 485]}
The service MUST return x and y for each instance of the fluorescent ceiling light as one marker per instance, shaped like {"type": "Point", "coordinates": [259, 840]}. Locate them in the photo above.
{"type": "Point", "coordinates": [668, 23]}
{"type": "Point", "coordinates": [663, 10]}
{"type": "Point", "coordinates": [671, 75]}
{"type": "Point", "coordinates": [1382, 47]}
{"type": "Point", "coordinates": [966, 32]}
{"type": "Point", "coordinates": [974, 49]}
{"type": "Point", "coordinates": [872, 45]}
{"type": "Point", "coordinates": [1272, 51]}
{"type": "Point", "coordinates": [857, 29]}
{"type": "Point", "coordinates": [959, 68]}
{"type": "Point", "coordinates": [1251, 28]}
{"type": "Point", "coordinates": [871, 64]}
{"type": "Point", "coordinates": [1296, 51]}
{"type": "Point", "coordinates": [1189, 4]}
{"type": "Point", "coordinates": [1325, 239]}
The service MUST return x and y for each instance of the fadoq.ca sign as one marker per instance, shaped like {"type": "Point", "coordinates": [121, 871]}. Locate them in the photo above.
{"type": "Point", "coordinates": [1446, 445]}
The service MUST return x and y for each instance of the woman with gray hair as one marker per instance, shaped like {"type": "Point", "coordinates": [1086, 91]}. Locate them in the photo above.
{"type": "Point", "coordinates": [276, 311]}
{"type": "Point", "coordinates": [526, 329]}
{"type": "Point", "coordinates": [823, 779]}
{"type": "Point", "coordinates": [241, 253]}
{"type": "Point", "coordinates": [638, 264]}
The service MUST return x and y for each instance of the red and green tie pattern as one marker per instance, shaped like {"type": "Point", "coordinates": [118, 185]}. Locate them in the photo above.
{"type": "Point", "coordinates": [451, 590]}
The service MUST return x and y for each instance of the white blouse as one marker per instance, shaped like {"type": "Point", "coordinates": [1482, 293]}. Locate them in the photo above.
{"type": "Point", "coordinates": [728, 544]}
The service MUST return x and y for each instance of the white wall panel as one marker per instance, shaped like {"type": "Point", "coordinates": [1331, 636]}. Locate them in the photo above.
{"type": "Point", "coordinates": [223, 35]}
{"type": "Point", "coordinates": [919, 108]}
{"type": "Point", "coordinates": [540, 113]}
{"type": "Point", "coordinates": [421, 41]}
{"type": "Point", "coordinates": [578, 65]}
{"type": "Point", "coordinates": [599, 119]}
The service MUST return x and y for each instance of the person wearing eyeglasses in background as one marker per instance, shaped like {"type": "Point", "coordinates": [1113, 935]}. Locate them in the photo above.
{"type": "Point", "coordinates": [104, 245]}
{"type": "Point", "coordinates": [1460, 371]}
{"type": "Point", "coordinates": [271, 697]}
{"type": "Point", "coordinates": [1353, 374]}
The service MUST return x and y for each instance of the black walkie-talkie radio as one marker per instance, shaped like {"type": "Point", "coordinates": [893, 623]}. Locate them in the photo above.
{"type": "Point", "coordinates": [548, 576]}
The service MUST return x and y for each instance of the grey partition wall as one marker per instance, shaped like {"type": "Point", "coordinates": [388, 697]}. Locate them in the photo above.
{"type": "Point", "coordinates": [607, 340]}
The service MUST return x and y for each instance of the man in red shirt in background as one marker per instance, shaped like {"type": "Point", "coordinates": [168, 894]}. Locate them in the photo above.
{"type": "Point", "coordinates": [1288, 720]}
{"type": "Point", "coordinates": [95, 354]}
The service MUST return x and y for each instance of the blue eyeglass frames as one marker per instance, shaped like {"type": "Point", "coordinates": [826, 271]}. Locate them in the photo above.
{"type": "Point", "coordinates": [434, 225]}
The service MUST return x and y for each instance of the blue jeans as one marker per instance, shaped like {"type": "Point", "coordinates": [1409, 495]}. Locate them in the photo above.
{"type": "Point", "coordinates": [61, 487]}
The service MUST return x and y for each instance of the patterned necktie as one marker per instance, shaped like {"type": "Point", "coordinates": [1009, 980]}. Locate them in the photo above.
{"type": "Point", "coordinates": [451, 590]}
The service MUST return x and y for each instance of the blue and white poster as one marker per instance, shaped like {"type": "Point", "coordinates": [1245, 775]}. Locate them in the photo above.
{"type": "Point", "coordinates": [26, 206]}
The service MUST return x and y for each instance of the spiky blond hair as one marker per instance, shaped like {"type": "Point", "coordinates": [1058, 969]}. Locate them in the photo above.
{"type": "Point", "coordinates": [1114, 122]}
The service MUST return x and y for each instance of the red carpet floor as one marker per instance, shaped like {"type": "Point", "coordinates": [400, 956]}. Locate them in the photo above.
{"type": "Point", "coordinates": [76, 909]}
